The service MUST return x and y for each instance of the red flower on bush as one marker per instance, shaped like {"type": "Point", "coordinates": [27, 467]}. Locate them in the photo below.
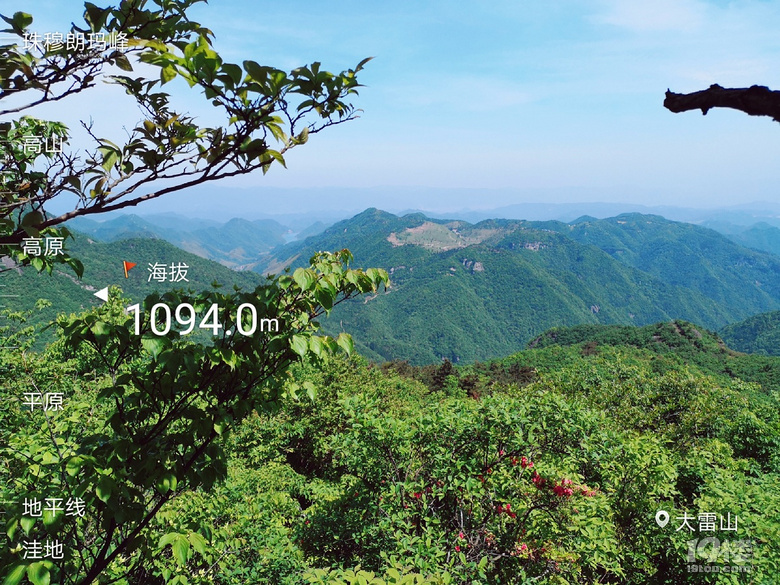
{"type": "Point", "coordinates": [562, 491]}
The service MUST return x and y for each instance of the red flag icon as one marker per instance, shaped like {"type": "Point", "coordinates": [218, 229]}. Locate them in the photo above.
{"type": "Point", "coordinates": [128, 266]}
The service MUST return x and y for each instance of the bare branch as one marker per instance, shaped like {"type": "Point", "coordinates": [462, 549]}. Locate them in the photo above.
{"type": "Point", "coordinates": [756, 100]}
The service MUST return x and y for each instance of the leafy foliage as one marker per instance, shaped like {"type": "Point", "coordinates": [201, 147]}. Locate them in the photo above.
{"type": "Point", "coordinates": [547, 466]}
{"type": "Point", "coordinates": [267, 112]}
{"type": "Point", "coordinates": [152, 423]}
{"type": "Point", "coordinates": [758, 334]}
{"type": "Point", "coordinates": [466, 292]}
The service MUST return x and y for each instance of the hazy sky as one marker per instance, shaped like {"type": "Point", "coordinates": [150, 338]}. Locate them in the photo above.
{"type": "Point", "coordinates": [478, 104]}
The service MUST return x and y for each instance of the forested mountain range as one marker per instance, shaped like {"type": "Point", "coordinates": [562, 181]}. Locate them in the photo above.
{"type": "Point", "coordinates": [552, 460]}
{"type": "Point", "coordinates": [760, 236]}
{"type": "Point", "coordinates": [756, 334]}
{"type": "Point", "coordinates": [236, 243]}
{"type": "Point", "coordinates": [465, 291]}
{"type": "Point", "coordinates": [103, 267]}
{"type": "Point", "coordinates": [473, 291]}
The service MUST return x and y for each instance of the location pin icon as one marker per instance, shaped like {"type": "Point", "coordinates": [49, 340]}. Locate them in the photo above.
{"type": "Point", "coordinates": [662, 518]}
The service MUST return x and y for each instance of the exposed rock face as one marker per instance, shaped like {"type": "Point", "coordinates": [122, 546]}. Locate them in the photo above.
{"type": "Point", "coordinates": [473, 266]}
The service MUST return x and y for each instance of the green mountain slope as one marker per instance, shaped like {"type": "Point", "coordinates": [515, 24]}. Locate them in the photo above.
{"type": "Point", "coordinates": [675, 344]}
{"type": "Point", "coordinates": [103, 267]}
{"type": "Point", "coordinates": [235, 244]}
{"type": "Point", "coordinates": [470, 292]}
{"type": "Point", "coordinates": [757, 334]}
{"type": "Point", "coordinates": [760, 236]}
{"type": "Point", "coordinates": [747, 281]}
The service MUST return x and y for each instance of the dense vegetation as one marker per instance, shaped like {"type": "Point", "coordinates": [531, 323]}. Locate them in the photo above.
{"type": "Point", "coordinates": [110, 454]}
{"type": "Point", "coordinates": [103, 263]}
{"type": "Point", "coordinates": [471, 292]}
{"type": "Point", "coordinates": [467, 293]}
{"type": "Point", "coordinates": [547, 466]}
{"type": "Point", "coordinates": [758, 334]}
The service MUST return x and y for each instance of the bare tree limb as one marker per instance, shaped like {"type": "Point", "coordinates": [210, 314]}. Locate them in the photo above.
{"type": "Point", "coordinates": [756, 100]}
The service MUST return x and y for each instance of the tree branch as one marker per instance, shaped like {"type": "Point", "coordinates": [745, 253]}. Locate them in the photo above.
{"type": "Point", "coordinates": [756, 100]}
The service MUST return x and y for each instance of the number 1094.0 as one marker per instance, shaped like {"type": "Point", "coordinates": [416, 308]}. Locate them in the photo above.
{"type": "Point", "coordinates": [185, 316]}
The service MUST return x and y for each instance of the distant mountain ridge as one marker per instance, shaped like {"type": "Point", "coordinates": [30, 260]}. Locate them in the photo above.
{"type": "Point", "coordinates": [756, 334]}
{"type": "Point", "coordinates": [237, 243]}
{"type": "Point", "coordinates": [473, 291]}
{"type": "Point", "coordinates": [466, 291]}
{"type": "Point", "coordinates": [103, 267]}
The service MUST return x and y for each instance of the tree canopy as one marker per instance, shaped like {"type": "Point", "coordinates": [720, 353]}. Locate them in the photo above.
{"type": "Point", "coordinates": [266, 112]}
{"type": "Point", "coordinates": [152, 421]}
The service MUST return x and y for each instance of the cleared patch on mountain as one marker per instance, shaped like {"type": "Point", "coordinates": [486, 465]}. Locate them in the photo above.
{"type": "Point", "coordinates": [464, 301]}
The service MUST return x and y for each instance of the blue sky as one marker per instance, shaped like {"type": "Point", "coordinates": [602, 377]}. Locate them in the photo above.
{"type": "Point", "coordinates": [479, 104]}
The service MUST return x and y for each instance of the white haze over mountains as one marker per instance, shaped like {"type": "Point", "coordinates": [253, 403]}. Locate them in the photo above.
{"type": "Point", "coordinates": [299, 208]}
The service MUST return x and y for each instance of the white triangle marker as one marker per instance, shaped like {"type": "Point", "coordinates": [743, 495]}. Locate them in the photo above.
{"type": "Point", "coordinates": [102, 294]}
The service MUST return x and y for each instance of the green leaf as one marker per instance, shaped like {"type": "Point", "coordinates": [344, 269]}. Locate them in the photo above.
{"type": "Point", "coordinates": [311, 391]}
{"type": "Point", "coordinates": [181, 548]}
{"type": "Point", "coordinates": [17, 574]}
{"type": "Point", "coordinates": [197, 542]}
{"type": "Point", "coordinates": [344, 340]}
{"type": "Point", "coordinates": [234, 72]}
{"type": "Point", "coordinates": [167, 482]}
{"type": "Point", "coordinates": [38, 573]}
{"type": "Point", "coordinates": [304, 277]}
{"type": "Point", "coordinates": [153, 345]}
{"type": "Point", "coordinates": [256, 71]}
{"type": "Point", "coordinates": [228, 356]}
{"type": "Point", "coordinates": [27, 524]}
{"type": "Point", "coordinates": [76, 265]}
{"type": "Point", "coordinates": [315, 344]}
{"type": "Point", "coordinates": [104, 488]}
{"type": "Point", "coordinates": [19, 22]}
{"type": "Point", "coordinates": [293, 390]}
{"type": "Point", "coordinates": [95, 16]}
{"type": "Point", "coordinates": [101, 329]}
{"type": "Point", "coordinates": [122, 62]}
{"type": "Point", "coordinates": [299, 345]}
{"type": "Point", "coordinates": [324, 298]}
{"type": "Point", "coordinates": [362, 63]}
{"type": "Point", "coordinates": [167, 73]}
{"type": "Point", "coordinates": [167, 539]}
{"type": "Point", "coordinates": [75, 465]}
{"type": "Point", "coordinates": [73, 181]}
{"type": "Point", "coordinates": [33, 218]}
